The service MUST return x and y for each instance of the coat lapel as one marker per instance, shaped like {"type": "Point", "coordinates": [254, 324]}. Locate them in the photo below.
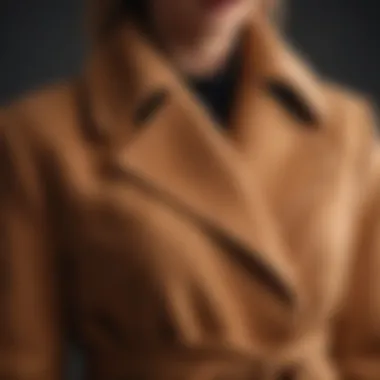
{"type": "Point", "coordinates": [164, 139]}
{"type": "Point", "coordinates": [275, 78]}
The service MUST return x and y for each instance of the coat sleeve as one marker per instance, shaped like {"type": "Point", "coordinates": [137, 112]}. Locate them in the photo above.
{"type": "Point", "coordinates": [357, 334]}
{"type": "Point", "coordinates": [29, 316]}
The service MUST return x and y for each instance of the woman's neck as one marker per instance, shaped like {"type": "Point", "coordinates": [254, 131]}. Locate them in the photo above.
{"type": "Point", "coordinates": [195, 52]}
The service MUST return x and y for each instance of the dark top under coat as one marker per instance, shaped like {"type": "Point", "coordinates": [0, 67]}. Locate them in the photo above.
{"type": "Point", "coordinates": [216, 92]}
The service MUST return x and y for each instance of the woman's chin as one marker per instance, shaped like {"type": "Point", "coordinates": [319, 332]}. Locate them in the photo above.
{"type": "Point", "coordinates": [224, 13]}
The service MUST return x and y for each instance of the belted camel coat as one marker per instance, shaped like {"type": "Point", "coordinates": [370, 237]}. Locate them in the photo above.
{"type": "Point", "coordinates": [173, 249]}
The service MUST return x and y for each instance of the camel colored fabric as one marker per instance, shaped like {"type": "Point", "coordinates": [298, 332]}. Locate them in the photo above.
{"type": "Point", "coordinates": [175, 250]}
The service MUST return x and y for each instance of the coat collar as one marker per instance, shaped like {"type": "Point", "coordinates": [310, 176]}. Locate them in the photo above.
{"type": "Point", "coordinates": [179, 155]}
{"type": "Point", "coordinates": [126, 76]}
{"type": "Point", "coordinates": [277, 64]}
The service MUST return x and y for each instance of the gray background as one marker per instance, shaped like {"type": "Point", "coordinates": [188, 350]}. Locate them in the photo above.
{"type": "Point", "coordinates": [41, 41]}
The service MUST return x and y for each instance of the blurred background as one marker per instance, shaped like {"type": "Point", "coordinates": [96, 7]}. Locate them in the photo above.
{"type": "Point", "coordinates": [41, 41]}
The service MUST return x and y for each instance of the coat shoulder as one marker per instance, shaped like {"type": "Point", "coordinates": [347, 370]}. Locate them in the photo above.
{"type": "Point", "coordinates": [41, 115]}
{"type": "Point", "coordinates": [32, 130]}
{"type": "Point", "coordinates": [351, 105]}
{"type": "Point", "coordinates": [352, 116]}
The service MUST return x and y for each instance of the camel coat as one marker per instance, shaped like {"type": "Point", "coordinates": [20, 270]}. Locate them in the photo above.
{"type": "Point", "coordinates": [172, 249]}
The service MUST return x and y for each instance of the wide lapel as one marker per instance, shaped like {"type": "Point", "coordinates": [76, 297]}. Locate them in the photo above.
{"type": "Point", "coordinates": [179, 155]}
{"type": "Point", "coordinates": [274, 77]}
